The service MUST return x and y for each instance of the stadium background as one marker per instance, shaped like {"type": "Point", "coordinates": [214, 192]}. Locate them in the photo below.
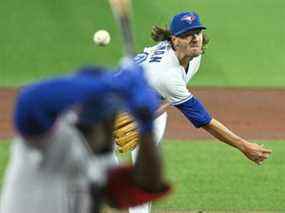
{"type": "Point", "coordinates": [241, 74]}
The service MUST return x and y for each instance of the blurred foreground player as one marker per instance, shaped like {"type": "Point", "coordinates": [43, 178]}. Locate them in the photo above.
{"type": "Point", "coordinates": [62, 163]}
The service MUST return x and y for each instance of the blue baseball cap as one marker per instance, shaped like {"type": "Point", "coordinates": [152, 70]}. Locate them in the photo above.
{"type": "Point", "coordinates": [99, 109]}
{"type": "Point", "coordinates": [184, 22]}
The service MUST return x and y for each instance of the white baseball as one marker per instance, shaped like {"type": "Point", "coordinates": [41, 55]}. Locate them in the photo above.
{"type": "Point", "coordinates": [101, 38]}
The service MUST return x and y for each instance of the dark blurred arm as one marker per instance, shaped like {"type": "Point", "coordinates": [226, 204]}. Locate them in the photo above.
{"type": "Point", "coordinates": [143, 182]}
{"type": "Point", "coordinates": [148, 166]}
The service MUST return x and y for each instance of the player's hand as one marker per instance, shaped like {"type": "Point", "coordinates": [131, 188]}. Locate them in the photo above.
{"type": "Point", "coordinates": [255, 152]}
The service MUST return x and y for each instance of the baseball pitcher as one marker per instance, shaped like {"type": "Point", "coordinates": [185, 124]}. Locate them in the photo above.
{"type": "Point", "coordinates": [169, 66]}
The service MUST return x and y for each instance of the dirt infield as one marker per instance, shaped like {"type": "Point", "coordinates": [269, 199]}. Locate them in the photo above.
{"type": "Point", "coordinates": [253, 113]}
{"type": "Point", "coordinates": [7, 97]}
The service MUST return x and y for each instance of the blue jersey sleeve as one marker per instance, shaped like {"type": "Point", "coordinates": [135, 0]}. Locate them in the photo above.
{"type": "Point", "coordinates": [195, 112]}
{"type": "Point", "coordinates": [38, 105]}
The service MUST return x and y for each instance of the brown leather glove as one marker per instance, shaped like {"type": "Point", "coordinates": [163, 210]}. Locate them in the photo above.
{"type": "Point", "coordinates": [126, 132]}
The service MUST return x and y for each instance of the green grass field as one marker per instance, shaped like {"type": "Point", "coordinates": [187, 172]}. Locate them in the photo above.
{"type": "Point", "coordinates": [214, 177]}
{"type": "Point", "coordinates": [43, 38]}
{"type": "Point", "coordinates": [4, 158]}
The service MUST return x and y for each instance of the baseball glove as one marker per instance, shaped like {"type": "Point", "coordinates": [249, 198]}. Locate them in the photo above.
{"type": "Point", "coordinates": [125, 132]}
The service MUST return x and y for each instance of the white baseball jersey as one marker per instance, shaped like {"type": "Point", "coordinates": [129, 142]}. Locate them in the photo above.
{"type": "Point", "coordinates": [54, 177]}
{"type": "Point", "coordinates": [165, 74]}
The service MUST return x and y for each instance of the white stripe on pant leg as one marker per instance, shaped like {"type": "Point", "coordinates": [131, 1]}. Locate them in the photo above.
{"type": "Point", "coordinates": [159, 129]}
{"type": "Point", "coordinates": [116, 158]}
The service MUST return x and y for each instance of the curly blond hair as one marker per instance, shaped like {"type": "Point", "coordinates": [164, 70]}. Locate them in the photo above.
{"type": "Point", "coordinates": [163, 34]}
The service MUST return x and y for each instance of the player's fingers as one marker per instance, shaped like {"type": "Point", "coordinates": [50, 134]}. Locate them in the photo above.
{"type": "Point", "coordinates": [257, 160]}
{"type": "Point", "coordinates": [262, 158]}
{"type": "Point", "coordinates": [268, 151]}
{"type": "Point", "coordinates": [266, 155]}
{"type": "Point", "coordinates": [263, 154]}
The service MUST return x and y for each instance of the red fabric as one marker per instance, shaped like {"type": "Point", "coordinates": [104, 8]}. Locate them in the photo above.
{"type": "Point", "coordinates": [122, 192]}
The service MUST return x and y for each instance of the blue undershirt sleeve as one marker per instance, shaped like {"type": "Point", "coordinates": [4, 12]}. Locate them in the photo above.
{"type": "Point", "coordinates": [195, 112]}
{"type": "Point", "coordinates": [38, 105]}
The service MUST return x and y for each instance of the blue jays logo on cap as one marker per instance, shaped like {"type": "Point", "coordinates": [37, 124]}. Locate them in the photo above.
{"type": "Point", "coordinates": [188, 18]}
{"type": "Point", "coordinates": [184, 22]}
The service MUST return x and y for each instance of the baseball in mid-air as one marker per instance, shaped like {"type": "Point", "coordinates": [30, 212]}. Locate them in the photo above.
{"type": "Point", "coordinates": [101, 38]}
